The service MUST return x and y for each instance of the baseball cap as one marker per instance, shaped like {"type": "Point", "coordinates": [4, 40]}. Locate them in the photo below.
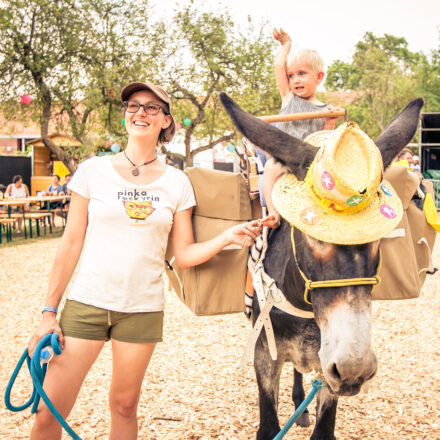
{"type": "Point", "coordinates": [159, 91]}
{"type": "Point", "coordinates": [168, 133]}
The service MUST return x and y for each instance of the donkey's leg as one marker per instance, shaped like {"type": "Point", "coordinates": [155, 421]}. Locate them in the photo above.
{"type": "Point", "coordinates": [268, 379]}
{"type": "Point", "coordinates": [326, 405]}
{"type": "Point", "coordinates": [298, 398]}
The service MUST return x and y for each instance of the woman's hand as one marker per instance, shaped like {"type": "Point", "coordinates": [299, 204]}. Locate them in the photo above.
{"type": "Point", "coordinates": [243, 234]}
{"type": "Point", "coordinates": [48, 324]}
{"type": "Point", "coordinates": [281, 36]}
{"type": "Point", "coordinates": [246, 233]}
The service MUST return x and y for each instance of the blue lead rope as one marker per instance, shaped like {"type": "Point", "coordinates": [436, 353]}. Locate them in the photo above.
{"type": "Point", "coordinates": [38, 374]}
{"type": "Point", "coordinates": [316, 384]}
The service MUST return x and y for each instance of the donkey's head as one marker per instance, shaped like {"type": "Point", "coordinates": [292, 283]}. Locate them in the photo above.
{"type": "Point", "coordinates": [343, 313]}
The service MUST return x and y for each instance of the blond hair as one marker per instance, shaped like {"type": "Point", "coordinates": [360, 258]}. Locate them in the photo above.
{"type": "Point", "coordinates": [310, 56]}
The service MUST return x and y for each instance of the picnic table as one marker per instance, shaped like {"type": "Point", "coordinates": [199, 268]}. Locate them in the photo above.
{"type": "Point", "coordinates": [37, 215]}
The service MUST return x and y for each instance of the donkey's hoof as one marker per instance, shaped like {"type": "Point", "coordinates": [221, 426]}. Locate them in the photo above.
{"type": "Point", "coordinates": [303, 420]}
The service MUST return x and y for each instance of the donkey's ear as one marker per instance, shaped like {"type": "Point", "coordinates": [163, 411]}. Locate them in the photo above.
{"type": "Point", "coordinates": [293, 152]}
{"type": "Point", "coordinates": [400, 131]}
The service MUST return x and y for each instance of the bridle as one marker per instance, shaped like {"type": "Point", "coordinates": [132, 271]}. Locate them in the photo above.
{"type": "Point", "coordinates": [310, 285]}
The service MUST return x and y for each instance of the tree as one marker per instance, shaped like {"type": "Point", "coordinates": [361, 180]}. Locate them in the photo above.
{"type": "Point", "coordinates": [382, 71]}
{"type": "Point", "coordinates": [427, 80]}
{"type": "Point", "coordinates": [199, 54]}
{"type": "Point", "coordinates": [73, 54]}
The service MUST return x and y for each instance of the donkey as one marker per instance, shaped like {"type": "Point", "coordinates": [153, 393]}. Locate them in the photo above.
{"type": "Point", "coordinates": [337, 341]}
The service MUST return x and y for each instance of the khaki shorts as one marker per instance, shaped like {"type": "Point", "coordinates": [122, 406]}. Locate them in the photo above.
{"type": "Point", "coordinates": [82, 321]}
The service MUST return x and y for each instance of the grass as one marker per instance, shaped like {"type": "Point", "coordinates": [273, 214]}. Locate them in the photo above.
{"type": "Point", "coordinates": [19, 240]}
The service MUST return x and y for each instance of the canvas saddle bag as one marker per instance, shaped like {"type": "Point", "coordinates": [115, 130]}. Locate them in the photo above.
{"type": "Point", "coordinates": [217, 286]}
{"type": "Point", "coordinates": [406, 251]}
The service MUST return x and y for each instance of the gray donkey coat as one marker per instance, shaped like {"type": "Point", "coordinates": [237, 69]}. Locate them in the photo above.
{"type": "Point", "coordinates": [338, 340]}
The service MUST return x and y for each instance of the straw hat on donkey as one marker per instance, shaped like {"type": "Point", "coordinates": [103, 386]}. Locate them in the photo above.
{"type": "Point", "coordinates": [336, 192]}
{"type": "Point", "coordinates": [343, 199]}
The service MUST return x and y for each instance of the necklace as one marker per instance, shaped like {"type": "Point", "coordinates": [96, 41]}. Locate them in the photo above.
{"type": "Point", "coordinates": [135, 171]}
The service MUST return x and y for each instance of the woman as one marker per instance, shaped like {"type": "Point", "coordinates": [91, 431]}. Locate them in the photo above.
{"type": "Point", "coordinates": [125, 206]}
{"type": "Point", "coordinates": [18, 190]}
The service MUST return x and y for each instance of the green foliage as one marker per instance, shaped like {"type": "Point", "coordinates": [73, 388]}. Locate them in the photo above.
{"type": "Point", "coordinates": [69, 54]}
{"type": "Point", "coordinates": [339, 76]}
{"type": "Point", "coordinates": [427, 81]}
{"type": "Point", "coordinates": [200, 54]}
{"type": "Point", "coordinates": [75, 55]}
{"type": "Point", "coordinates": [386, 75]}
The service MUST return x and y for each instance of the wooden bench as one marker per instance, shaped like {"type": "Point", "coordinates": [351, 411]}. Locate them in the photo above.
{"type": "Point", "coordinates": [38, 217]}
{"type": "Point", "coordinates": [6, 223]}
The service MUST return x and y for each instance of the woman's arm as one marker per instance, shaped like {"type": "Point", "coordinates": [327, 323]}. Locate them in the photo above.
{"type": "Point", "coordinates": [9, 189]}
{"type": "Point", "coordinates": [189, 254]}
{"type": "Point", "coordinates": [26, 190]}
{"type": "Point", "coordinates": [64, 264]}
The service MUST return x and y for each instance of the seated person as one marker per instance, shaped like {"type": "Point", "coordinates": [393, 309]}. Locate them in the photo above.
{"type": "Point", "coordinates": [415, 164]}
{"type": "Point", "coordinates": [18, 190]}
{"type": "Point", "coordinates": [55, 189]}
{"type": "Point", "coordinates": [404, 158]}
{"type": "Point", "coordinates": [2, 191]}
{"type": "Point", "coordinates": [67, 191]}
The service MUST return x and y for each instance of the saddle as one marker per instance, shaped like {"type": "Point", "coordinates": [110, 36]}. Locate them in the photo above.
{"type": "Point", "coordinates": [406, 251]}
{"type": "Point", "coordinates": [217, 287]}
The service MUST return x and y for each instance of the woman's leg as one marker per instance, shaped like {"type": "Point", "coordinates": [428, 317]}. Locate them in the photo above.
{"type": "Point", "coordinates": [65, 375]}
{"type": "Point", "coordinates": [130, 362]}
{"type": "Point", "coordinates": [19, 224]}
{"type": "Point", "coordinates": [20, 219]}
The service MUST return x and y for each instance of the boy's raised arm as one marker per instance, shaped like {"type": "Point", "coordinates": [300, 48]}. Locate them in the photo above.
{"type": "Point", "coordinates": [280, 65]}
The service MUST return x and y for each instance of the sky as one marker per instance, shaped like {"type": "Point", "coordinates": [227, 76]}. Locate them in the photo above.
{"type": "Point", "coordinates": [334, 27]}
{"type": "Point", "coordinates": [331, 27]}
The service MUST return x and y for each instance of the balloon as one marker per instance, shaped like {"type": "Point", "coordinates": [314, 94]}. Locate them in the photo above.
{"type": "Point", "coordinates": [123, 122]}
{"type": "Point", "coordinates": [26, 99]}
{"type": "Point", "coordinates": [186, 122]}
{"type": "Point", "coordinates": [230, 148]}
{"type": "Point", "coordinates": [178, 126]}
{"type": "Point", "coordinates": [115, 148]}
{"type": "Point", "coordinates": [224, 143]}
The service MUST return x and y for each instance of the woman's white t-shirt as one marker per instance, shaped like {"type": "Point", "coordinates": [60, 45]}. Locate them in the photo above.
{"type": "Point", "coordinates": [122, 260]}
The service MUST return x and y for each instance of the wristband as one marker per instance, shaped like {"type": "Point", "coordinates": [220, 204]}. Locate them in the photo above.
{"type": "Point", "coordinates": [49, 309]}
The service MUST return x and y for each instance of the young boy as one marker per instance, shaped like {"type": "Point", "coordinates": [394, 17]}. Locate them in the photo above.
{"type": "Point", "coordinates": [297, 81]}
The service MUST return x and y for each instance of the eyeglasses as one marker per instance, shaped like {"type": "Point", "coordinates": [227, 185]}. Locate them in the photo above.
{"type": "Point", "coordinates": [150, 109]}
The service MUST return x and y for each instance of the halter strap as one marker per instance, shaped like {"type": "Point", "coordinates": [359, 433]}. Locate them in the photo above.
{"type": "Point", "coordinates": [310, 285]}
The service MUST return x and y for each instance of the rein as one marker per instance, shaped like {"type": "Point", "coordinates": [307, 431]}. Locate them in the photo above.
{"type": "Point", "coordinates": [38, 373]}
{"type": "Point", "coordinates": [316, 386]}
{"type": "Point", "coordinates": [310, 285]}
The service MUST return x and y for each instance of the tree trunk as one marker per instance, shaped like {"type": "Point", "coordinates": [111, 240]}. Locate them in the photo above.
{"type": "Point", "coordinates": [44, 126]}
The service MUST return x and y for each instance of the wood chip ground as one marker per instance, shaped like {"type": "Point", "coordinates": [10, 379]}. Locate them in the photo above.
{"type": "Point", "coordinates": [194, 389]}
